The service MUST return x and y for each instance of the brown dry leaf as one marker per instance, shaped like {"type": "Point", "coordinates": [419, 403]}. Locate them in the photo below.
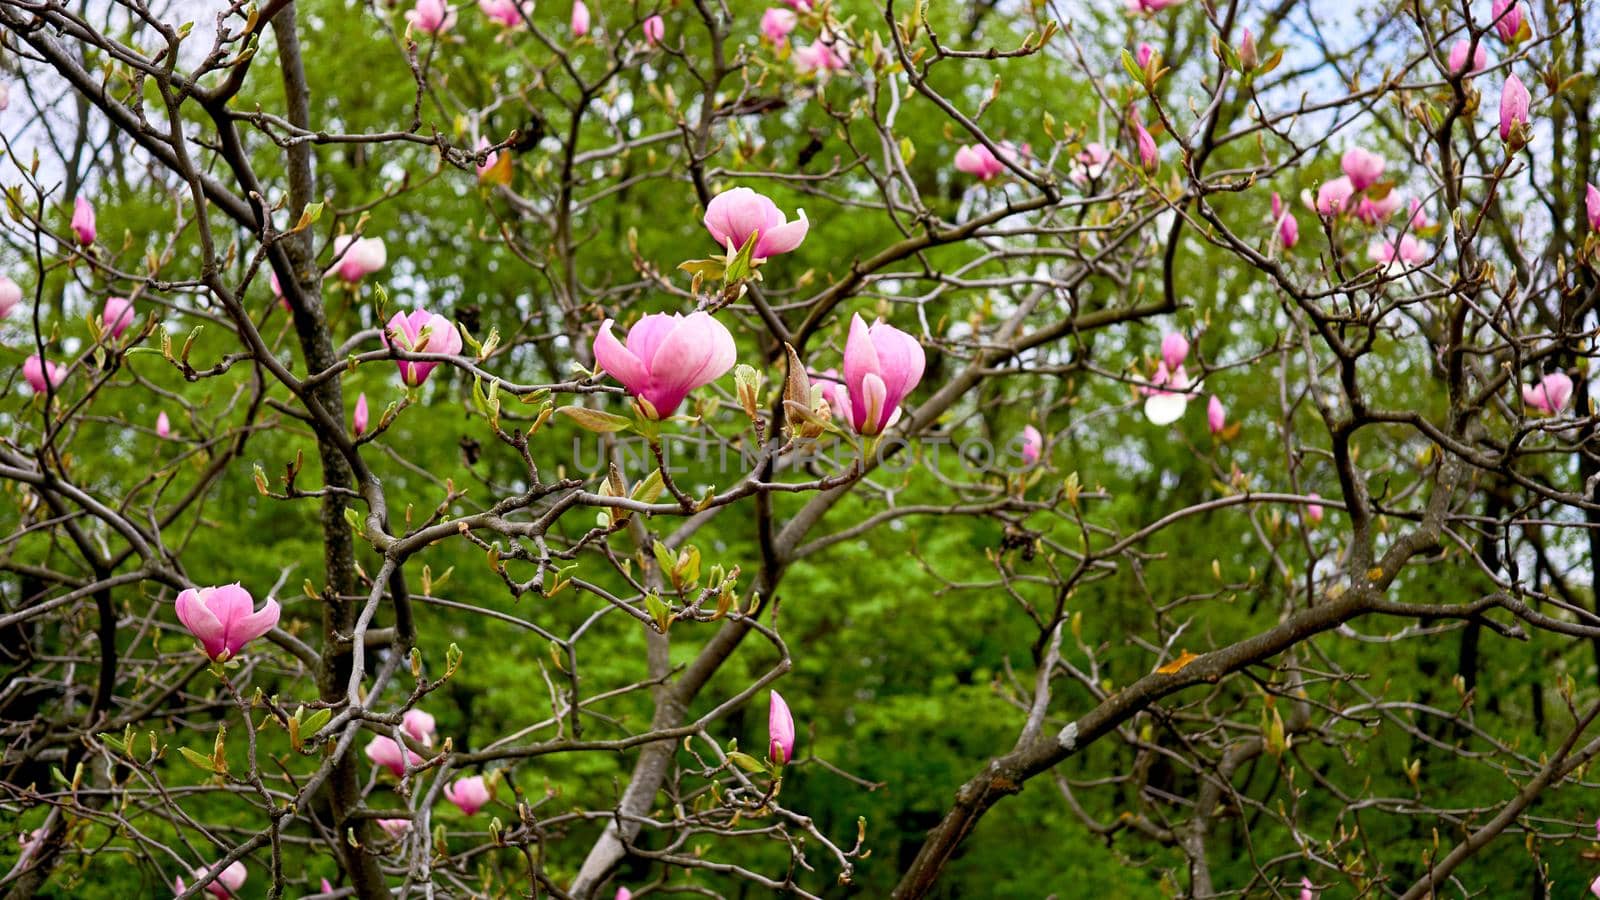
{"type": "Point", "coordinates": [1176, 666]}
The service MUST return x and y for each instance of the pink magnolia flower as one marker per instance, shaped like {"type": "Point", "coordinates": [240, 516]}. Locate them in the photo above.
{"type": "Point", "coordinates": [1247, 51]}
{"type": "Point", "coordinates": [470, 794]}
{"type": "Point", "coordinates": [1149, 157]}
{"type": "Point", "coordinates": [419, 725]}
{"type": "Point", "coordinates": [506, 13]}
{"type": "Point", "coordinates": [834, 393]}
{"type": "Point", "coordinates": [1362, 167]}
{"type": "Point", "coordinates": [1591, 205]}
{"type": "Point", "coordinates": [979, 161]}
{"type": "Point", "coordinates": [1314, 510]}
{"type": "Point", "coordinates": [1458, 57]}
{"type": "Point", "coordinates": [406, 332]}
{"type": "Point", "coordinates": [1288, 230]}
{"type": "Point", "coordinates": [1167, 396]}
{"type": "Point", "coordinates": [1374, 210]}
{"type": "Point", "coordinates": [625, 894]}
{"type": "Point", "coordinates": [825, 54]}
{"type": "Point", "coordinates": [163, 425]}
{"type": "Point", "coordinates": [1507, 17]}
{"type": "Point", "coordinates": [1288, 227]}
{"type": "Point", "coordinates": [224, 619]}
{"type": "Point", "coordinates": [117, 315]}
{"type": "Point", "coordinates": [1090, 163]}
{"type": "Point", "coordinates": [277, 291]}
{"type": "Point", "coordinates": [431, 17]}
{"type": "Point", "coordinates": [395, 828]}
{"type": "Point", "coordinates": [580, 18]}
{"type": "Point", "coordinates": [1032, 444]}
{"type": "Point", "coordinates": [1334, 196]}
{"type": "Point", "coordinates": [1174, 349]}
{"type": "Point", "coordinates": [666, 357]}
{"type": "Point", "coordinates": [42, 373]}
{"type": "Point", "coordinates": [1305, 890]}
{"type": "Point", "coordinates": [1144, 54]}
{"type": "Point", "coordinates": [29, 842]}
{"type": "Point", "coordinates": [1550, 395]}
{"type": "Point", "coordinates": [780, 730]}
{"type": "Point", "coordinates": [1594, 886]}
{"type": "Point", "coordinates": [734, 215]}
{"type": "Point", "coordinates": [777, 23]}
{"type": "Point", "coordinates": [655, 29]}
{"type": "Point", "coordinates": [327, 886]}
{"type": "Point", "coordinates": [359, 419]}
{"type": "Point", "coordinates": [1514, 102]}
{"type": "Point", "coordinates": [385, 751]}
{"type": "Point", "coordinates": [1409, 252]}
{"type": "Point", "coordinates": [1150, 6]}
{"type": "Point", "coordinates": [489, 159]}
{"type": "Point", "coordinates": [11, 295]}
{"type": "Point", "coordinates": [83, 221]}
{"type": "Point", "coordinates": [1419, 216]}
{"type": "Point", "coordinates": [882, 364]}
{"type": "Point", "coordinates": [355, 258]}
{"type": "Point", "coordinates": [227, 882]}
{"type": "Point", "coordinates": [1216, 416]}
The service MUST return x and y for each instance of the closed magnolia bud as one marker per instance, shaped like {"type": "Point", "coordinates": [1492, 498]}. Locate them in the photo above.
{"type": "Point", "coordinates": [1247, 51]}
{"type": "Point", "coordinates": [747, 384]}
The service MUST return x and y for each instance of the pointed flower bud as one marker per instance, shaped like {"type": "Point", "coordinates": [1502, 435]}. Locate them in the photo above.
{"type": "Point", "coordinates": [83, 220]}
{"type": "Point", "coordinates": [780, 730]}
{"type": "Point", "coordinates": [117, 315]}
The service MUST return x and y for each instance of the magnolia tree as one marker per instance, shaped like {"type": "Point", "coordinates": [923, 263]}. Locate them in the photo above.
{"type": "Point", "coordinates": [435, 436]}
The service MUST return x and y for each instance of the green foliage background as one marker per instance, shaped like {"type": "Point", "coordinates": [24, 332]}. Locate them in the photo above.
{"type": "Point", "coordinates": [898, 677]}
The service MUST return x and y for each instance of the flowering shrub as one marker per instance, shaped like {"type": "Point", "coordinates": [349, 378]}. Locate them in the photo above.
{"type": "Point", "coordinates": [1148, 445]}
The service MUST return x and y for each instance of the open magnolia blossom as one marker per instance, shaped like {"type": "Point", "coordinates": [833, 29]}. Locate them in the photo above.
{"type": "Point", "coordinates": [396, 829]}
{"type": "Point", "coordinates": [117, 315]}
{"type": "Point", "coordinates": [42, 374]}
{"type": "Point", "coordinates": [386, 752]}
{"type": "Point", "coordinates": [420, 331]}
{"type": "Point", "coordinates": [777, 23]}
{"type": "Point", "coordinates": [882, 364]}
{"type": "Point", "coordinates": [1167, 396]}
{"type": "Point", "coordinates": [10, 296]}
{"type": "Point", "coordinates": [224, 887]}
{"type": "Point", "coordinates": [1551, 395]}
{"type": "Point", "coordinates": [419, 725]}
{"type": "Point", "coordinates": [666, 357]}
{"type": "Point", "coordinates": [469, 794]}
{"type": "Point", "coordinates": [1397, 256]}
{"type": "Point", "coordinates": [736, 215]}
{"type": "Point", "coordinates": [224, 619]}
{"type": "Point", "coordinates": [979, 161]}
{"type": "Point", "coordinates": [355, 258]}
{"type": "Point", "coordinates": [431, 17]}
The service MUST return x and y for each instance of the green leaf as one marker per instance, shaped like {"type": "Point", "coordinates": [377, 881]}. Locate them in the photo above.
{"type": "Point", "coordinates": [198, 760]}
{"type": "Point", "coordinates": [595, 420]}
